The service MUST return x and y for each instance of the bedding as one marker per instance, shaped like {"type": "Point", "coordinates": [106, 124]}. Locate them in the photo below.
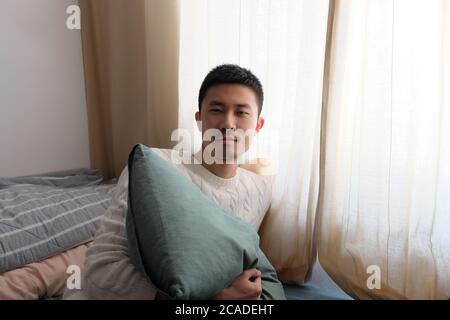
{"type": "Point", "coordinates": [187, 245]}
{"type": "Point", "coordinates": [43, 279]}
{"type": "Point", "coordinates": [44, 215]}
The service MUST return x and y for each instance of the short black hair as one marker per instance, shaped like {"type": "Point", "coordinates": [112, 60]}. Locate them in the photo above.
{"type": "Point", "coordinates": [231, 74]}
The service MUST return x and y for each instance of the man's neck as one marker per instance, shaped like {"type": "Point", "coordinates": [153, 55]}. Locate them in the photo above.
{"type": "Point", "coordinates": [225, 170]}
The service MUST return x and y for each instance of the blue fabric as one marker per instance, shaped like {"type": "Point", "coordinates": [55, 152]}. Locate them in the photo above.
{"type": "Point", "coordinates": [312, 292]}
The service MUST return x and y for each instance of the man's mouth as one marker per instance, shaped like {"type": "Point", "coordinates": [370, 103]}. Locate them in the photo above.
{"type": "Point", "coordinates": [225, 139]}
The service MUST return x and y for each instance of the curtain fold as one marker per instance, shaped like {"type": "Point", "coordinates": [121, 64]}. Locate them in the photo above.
{"type": "Point", "coordinates": [130, 52]}
{"type": "Point", "coordinates": [386, 167]}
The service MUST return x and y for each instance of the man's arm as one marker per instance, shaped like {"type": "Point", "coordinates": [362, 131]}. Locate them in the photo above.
{"type": "Point", "coordinates": [259, 283]}
{"type": "Point", "coordinates": [109, 273]}
{"type": "Point", "coordinates": [246, 286]}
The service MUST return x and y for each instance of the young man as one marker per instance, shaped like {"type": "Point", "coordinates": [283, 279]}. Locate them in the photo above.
{"type": "Point", "coordinates": [230, 100]}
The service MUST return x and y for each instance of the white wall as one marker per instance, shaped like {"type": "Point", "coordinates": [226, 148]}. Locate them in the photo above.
{"type": "Point", "coordinates": [43, 121]}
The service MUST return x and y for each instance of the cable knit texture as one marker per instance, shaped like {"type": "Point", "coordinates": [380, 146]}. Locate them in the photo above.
{"type": "Point", "coordinates": [109, 273]}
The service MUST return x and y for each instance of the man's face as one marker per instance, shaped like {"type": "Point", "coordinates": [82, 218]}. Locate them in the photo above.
{"type": "Point", "coordinates": [231, 109]}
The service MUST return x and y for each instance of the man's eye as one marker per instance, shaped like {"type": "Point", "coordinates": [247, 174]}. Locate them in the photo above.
{"type": "Point", "coordinates": [215, 110]}
{"type": "Point", "coordinates": [242, 113]}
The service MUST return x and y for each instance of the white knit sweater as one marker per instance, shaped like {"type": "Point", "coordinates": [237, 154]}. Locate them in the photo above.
{"type": "Point", "coordinates": [108, 272]}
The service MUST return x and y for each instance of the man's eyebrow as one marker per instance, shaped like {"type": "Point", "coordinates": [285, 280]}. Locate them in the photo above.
{"type": "Point", "coordinates": [242, 105]}
{"type": "Point", "coordinates": [216, 103]}
{"type": "Point", "coordinates": [221, 104]}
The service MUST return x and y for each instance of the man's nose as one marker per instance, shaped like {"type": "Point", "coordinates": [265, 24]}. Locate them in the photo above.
{"type": "Point", "coordinates": [228, 122]}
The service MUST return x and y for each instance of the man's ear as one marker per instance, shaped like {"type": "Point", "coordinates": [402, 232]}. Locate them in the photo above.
{"type": "Point", "coordinates": [259, 124]}
{"type": "Point", "coordinates": [198, 119]}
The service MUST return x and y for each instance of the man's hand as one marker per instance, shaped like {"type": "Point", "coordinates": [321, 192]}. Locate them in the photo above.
{"type": "Point", "coordinates": [247, 286]}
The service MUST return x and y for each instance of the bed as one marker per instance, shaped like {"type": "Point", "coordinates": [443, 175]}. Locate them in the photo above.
{"type": "Point", "coordinates": [46, 224]}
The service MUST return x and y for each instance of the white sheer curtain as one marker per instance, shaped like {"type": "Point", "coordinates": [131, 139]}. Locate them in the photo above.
{"type": "Point", "coordinates": [283, 43]}
{"type": "Point", "coordinates": [385, 174]}
{"type": "Point", "coordinates": [387, 150]}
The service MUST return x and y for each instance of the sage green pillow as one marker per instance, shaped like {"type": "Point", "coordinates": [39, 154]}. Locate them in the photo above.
{"type": "Point", "coordinates": [187, 245]}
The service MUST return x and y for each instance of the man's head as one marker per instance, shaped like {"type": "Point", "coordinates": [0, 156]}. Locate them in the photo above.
{"type": "Point", "coordinates": [230, 101]}
{"type": "Point", "coordinates": [232, 74]}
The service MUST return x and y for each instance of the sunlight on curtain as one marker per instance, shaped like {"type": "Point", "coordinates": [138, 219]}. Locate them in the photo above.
{"type": "Point", "coordinates": [283, 43]}
{"type": "Point", "coordinates": [387, 163]}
